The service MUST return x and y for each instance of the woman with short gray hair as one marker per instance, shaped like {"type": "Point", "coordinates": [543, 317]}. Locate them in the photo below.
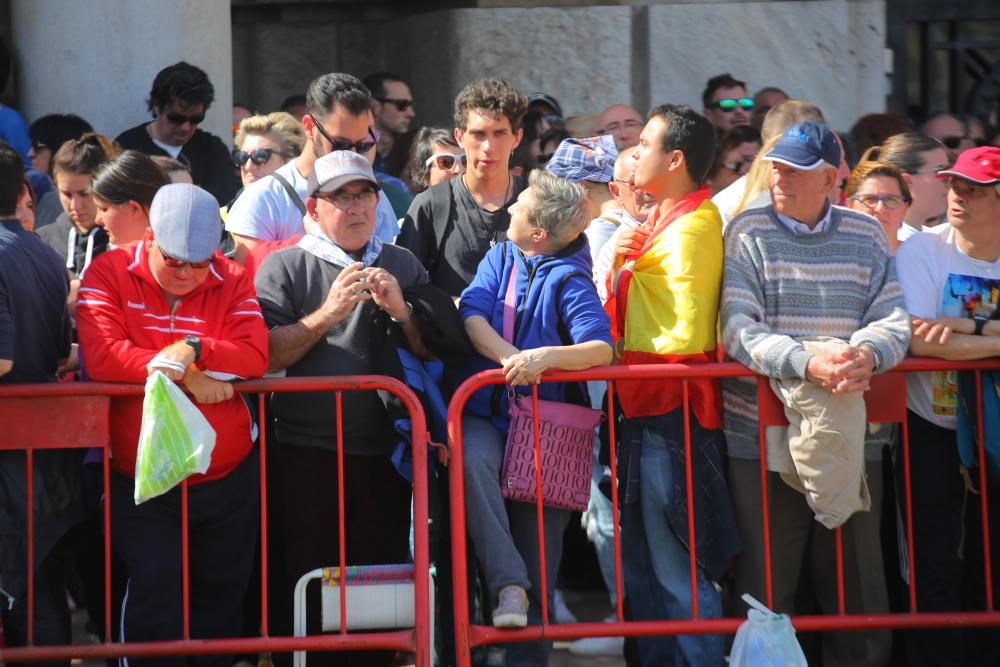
{"type": "Point", "coordinates": [559, 325]}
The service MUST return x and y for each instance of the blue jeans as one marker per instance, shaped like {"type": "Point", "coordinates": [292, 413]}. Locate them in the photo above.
{"type": "Point", "coordinates": [656, 566]}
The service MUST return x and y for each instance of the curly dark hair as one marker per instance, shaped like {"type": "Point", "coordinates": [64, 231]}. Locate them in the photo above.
{"type": "Point", "coordinates": [181, 81]}
{"type": "Point", "coordinates": [497, 97]}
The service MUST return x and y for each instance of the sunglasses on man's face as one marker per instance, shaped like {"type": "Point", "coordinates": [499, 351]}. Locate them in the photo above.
{"type": "Point", "coordinates": [258, 157]}
{"type": "Point", "coordinates": [730, 104]}
{"type": "Point", "coordinates": [362, 146]}
{"type": "Point", "coordinates": [446, 161]}
{"type": "Point", "coordinates": [175, 263]}
{"type": "Point", "coordinates": [397, 102]}
{"type": "Point", "coordinates": [179, 119]}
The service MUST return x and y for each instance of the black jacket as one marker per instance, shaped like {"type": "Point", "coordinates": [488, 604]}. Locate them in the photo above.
{"type": "Point", "coordinates": [205, 155]}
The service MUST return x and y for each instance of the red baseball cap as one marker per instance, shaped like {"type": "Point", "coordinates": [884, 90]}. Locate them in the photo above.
{"type": "Point", "coordinates": [978, 165]}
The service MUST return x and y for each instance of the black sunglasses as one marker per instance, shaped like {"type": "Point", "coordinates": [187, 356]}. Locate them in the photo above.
{"type": "Point", "coordinates": [258, 157]}
{"type": "Point", "coordinates": [399, 103]}
{"type": "Point", "coordinates": [179, 118]}
{"type": "Point", "coordinates": [343, 144]}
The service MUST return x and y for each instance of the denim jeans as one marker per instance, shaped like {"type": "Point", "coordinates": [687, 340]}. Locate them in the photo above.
{"type": "Point", "coordinates": [505, 534]}
{"type": "Point", "coordinates": [657, 567]}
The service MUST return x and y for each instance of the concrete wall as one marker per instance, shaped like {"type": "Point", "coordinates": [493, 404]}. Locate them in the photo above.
{"type": "Point", "coordinates": [98, 58]}
{"type": "Point", "coordinates": [829, 51]}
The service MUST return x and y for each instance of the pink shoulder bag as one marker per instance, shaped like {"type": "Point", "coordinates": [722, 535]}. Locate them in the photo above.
{"type": "Point", "coordinates": [566, 432]}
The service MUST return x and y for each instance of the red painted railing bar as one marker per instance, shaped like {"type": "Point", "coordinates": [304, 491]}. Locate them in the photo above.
{"type": "Point", "coordinates": [612, 439]}
{"type": "Point", "coordinates": [908, 499]}
{"type": "Point", "coordinates": [983, 493]}
{"type": "Point", "coordinates": [185, 561]}
{"type": "Point", "coordinates": [456, 481]}
{"type": "Point", "coordinates": [765, 515]}
{"type": "Point", "coordinates": [689, 477]}
{"type": "Point", "coordinates": [539, 507]}
{"type": "Point", "coordinates": [106, 467]}
{"type": "Point", "coordinates": [29, 464]}
{"type": "Point", "coordinates": [839, 546]}
{"type": "Point", "coordinates": [341, 514]}
{"type": "Point", "coordinates": [262, 428]}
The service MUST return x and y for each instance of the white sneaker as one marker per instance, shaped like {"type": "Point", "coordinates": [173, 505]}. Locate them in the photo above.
{"type": "Point", "coordinates": [598, 646]}
{"type": "Point", "coordinates": [562, 613]}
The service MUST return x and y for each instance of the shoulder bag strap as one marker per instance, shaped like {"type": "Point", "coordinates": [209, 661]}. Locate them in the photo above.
{"type": "Point", "coordinates": [291, 192]}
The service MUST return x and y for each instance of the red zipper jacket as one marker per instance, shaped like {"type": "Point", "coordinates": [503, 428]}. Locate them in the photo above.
{"type": "Point", "coordinates": [123, 321]}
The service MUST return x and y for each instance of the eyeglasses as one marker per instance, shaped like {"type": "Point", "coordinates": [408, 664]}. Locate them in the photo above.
{"type": "Point", "coordinates": [258, 157]}
{"type": "Point", "coordinates": [399, 103]}
{"type": "Point", "coordinates": [446, 161]}
{"type": "Point", "coordinates": [343, 144]}
{"type": "Point", "coordinates": [727, 105]}
{"type": "Point", "coordinates": [952, 141]}
{"type": "Point", "coordinates": [343, 200]}
{"type": "Point", "coordinates": [175, 263]}
{"type": "Point", "coordinates": [871, 202]}
{"type": "Point", "coordinates": [611, 128]}
{"type": "Point", "coordinates": [179, 118]}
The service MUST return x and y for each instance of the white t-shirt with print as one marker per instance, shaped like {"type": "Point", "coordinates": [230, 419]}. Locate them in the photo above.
{"type": "Point", "coordinates": [939, 280]}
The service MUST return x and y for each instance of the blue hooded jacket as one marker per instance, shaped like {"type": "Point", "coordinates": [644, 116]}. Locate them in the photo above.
{"type": "Point", "coordinates": [556, 304]}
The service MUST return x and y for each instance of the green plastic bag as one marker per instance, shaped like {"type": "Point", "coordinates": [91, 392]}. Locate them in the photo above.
{"type": "Point", "coordinates": [175, 439]}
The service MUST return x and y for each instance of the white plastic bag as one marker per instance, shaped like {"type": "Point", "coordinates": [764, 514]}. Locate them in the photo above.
{"type": "Point", "coordinates": [175, 439]}
{"type": "Point", "coordinates": [766, 639]}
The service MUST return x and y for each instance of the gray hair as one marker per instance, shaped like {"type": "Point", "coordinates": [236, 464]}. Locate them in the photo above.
{"type": "Point", "coordinates": [560, 206]}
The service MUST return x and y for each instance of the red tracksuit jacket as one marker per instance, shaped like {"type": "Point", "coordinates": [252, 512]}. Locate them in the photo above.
{"type": "Point", "coordinates": [123, 321]}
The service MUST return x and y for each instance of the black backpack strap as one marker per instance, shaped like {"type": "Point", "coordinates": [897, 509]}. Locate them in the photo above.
{"type": "Point", "coordinates": [299, 204]}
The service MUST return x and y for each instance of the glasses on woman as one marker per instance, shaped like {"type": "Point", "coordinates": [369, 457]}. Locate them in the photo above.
{"type": "Point", "coordinates": [259, 157]}
{"type": "Point", "coordinates": [344, 200]}
{"type": "Point", "coordinates": [446, 161]}
{"type": "Point", "coordinates": [871, 202]}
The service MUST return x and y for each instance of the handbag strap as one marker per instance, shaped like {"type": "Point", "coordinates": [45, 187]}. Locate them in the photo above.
{"type": "Point", "coordinates": [509, 305]}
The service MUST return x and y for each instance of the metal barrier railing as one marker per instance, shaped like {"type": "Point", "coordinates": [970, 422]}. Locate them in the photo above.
{"type": "Point", "coordinates": [886, 402]}
{"type": "Point", "coordinates": [75, 415]}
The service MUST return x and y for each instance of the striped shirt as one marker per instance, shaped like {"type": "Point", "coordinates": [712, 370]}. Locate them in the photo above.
{"type": "Point", "coordinates": [779, 287]}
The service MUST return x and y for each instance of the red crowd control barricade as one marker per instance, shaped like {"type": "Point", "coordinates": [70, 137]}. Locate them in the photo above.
{"type": "Point", "coordinates": [885, 402]}
{"type": "Point", "coordinates": [75, 415]}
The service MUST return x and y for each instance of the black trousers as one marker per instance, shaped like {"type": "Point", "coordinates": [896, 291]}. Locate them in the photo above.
{"type": "Point", "coordinates": [948, 548]}
{"type": "Point", "coordinates": [223, 522]}
{"type": "Point", "coordinates": [303, 531]}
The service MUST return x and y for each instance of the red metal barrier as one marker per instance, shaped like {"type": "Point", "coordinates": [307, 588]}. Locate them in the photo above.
{"type": "Point", "coordinates": [75, 415]}
{"type": "Point", "coordinates": [885, 402]}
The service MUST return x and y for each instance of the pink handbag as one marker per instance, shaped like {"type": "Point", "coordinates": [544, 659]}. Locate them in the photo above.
{"type": "Point", "coordinates": [566, 432]}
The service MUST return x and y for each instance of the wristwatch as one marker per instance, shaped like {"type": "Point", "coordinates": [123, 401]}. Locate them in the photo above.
{"type": "Point", "coordinates": [195, 344]}
{"type": "Point", "coordinates": [980, 321]}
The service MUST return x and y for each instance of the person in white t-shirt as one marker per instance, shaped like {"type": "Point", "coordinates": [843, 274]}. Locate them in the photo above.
{"type": "Point", "coordinates": [338, 117]}
{"type": "Point", "coordinates": [951, 280]}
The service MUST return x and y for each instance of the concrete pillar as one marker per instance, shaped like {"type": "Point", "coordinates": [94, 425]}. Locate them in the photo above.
{"type": "Point", "coordinates": [98, 58]}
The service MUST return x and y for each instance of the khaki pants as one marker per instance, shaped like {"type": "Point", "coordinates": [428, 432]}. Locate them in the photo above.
{"type": "Point", "coordinates": [822, 452]}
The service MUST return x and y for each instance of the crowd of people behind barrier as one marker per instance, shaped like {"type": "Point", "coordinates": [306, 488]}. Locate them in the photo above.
{"type": "Point", "coordinates": [749, 230]}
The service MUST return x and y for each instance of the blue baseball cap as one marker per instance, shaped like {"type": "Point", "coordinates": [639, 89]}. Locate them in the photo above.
{"type": "Point", "coordinates": [587, 159]}
{"type": "Point", "coordinates": [806, 146]}
{"type": "Point", "coordinates": [185, 222]}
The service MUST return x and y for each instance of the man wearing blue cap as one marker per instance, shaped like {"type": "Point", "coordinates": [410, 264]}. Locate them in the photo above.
{"type": "Point", "coordinates": [172, 302]}
{"type": "Point", "coordinates": [796, 270]}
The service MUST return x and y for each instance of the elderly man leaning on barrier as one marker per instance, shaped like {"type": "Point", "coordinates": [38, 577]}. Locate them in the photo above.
{"type": "Point", "coordinates": [340, 302]}
{"type": "Point", "coordinates": [798, 270]}
{"type": "Point", "coordinates": [171, 298]}
{"type": "Point", "coordinates": [950, 277]}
